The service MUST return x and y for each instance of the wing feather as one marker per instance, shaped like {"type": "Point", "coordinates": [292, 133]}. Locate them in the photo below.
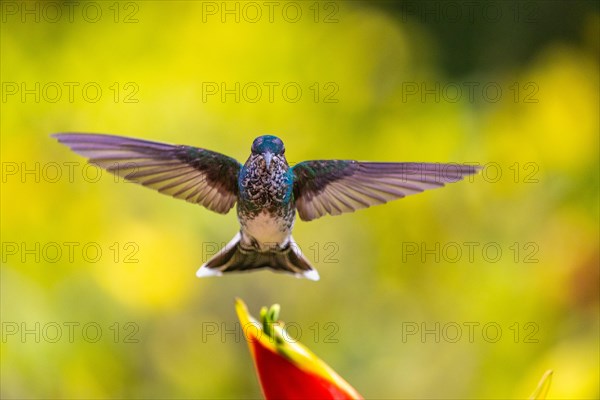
{"type": "Point", "coordinates": [190, 173]}
{"type": "Point", "coordinates": [339, 186]}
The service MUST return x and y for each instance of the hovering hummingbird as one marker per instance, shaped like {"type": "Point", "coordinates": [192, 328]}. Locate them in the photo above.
{"type": "Point", "coordinates": [268, 191]}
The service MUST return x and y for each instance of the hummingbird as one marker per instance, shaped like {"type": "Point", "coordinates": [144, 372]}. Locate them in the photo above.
{"type": "Point", "coordinates": [267, 190]}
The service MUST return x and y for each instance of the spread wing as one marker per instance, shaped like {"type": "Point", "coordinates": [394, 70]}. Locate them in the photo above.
{"type": "Point", "coordinates": [339, 186]}
{"type": "Point", "coordinates": [196, 175]}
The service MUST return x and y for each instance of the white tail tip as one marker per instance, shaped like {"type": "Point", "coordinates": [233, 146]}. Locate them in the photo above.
{"type": "Point", "coordinates": [204, 272]}
{"type": "Point", "coordinates": [311, 274]}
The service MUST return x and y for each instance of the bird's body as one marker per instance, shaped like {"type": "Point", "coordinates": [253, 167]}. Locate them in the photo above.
{"type": "Point", "coordinates": [268, 192]}
{"type": "Point", "coordinates": [265, 207]}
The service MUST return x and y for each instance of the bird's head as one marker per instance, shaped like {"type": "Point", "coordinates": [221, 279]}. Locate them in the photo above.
{"type": "Point", "coordinates": [268, 147]}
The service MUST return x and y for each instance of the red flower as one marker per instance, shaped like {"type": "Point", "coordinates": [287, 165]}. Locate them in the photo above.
{"type": "Point", "coordinates": [286, 369]}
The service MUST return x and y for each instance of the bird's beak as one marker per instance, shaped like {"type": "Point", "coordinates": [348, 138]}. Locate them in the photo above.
{"type": "Point", "coordinates": [268, 158]}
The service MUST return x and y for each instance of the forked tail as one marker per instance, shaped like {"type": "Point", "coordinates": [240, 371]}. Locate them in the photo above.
{"type": "Point", "coordinates": [234, 258]}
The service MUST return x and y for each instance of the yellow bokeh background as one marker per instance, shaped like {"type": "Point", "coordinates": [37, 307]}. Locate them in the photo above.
{"type": "Point", "coordinates": [166, 334]}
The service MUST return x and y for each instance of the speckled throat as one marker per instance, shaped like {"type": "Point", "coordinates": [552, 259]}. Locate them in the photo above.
{"type": "Point", "coordinates": [265, 190]}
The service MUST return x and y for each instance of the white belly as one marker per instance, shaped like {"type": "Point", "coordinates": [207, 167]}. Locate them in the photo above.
{"type": "Point", "coordinates": [266, 230]}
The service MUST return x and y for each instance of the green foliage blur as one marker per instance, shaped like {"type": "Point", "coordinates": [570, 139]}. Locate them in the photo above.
{"type": "Point", "coordinates": [470, 291]}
